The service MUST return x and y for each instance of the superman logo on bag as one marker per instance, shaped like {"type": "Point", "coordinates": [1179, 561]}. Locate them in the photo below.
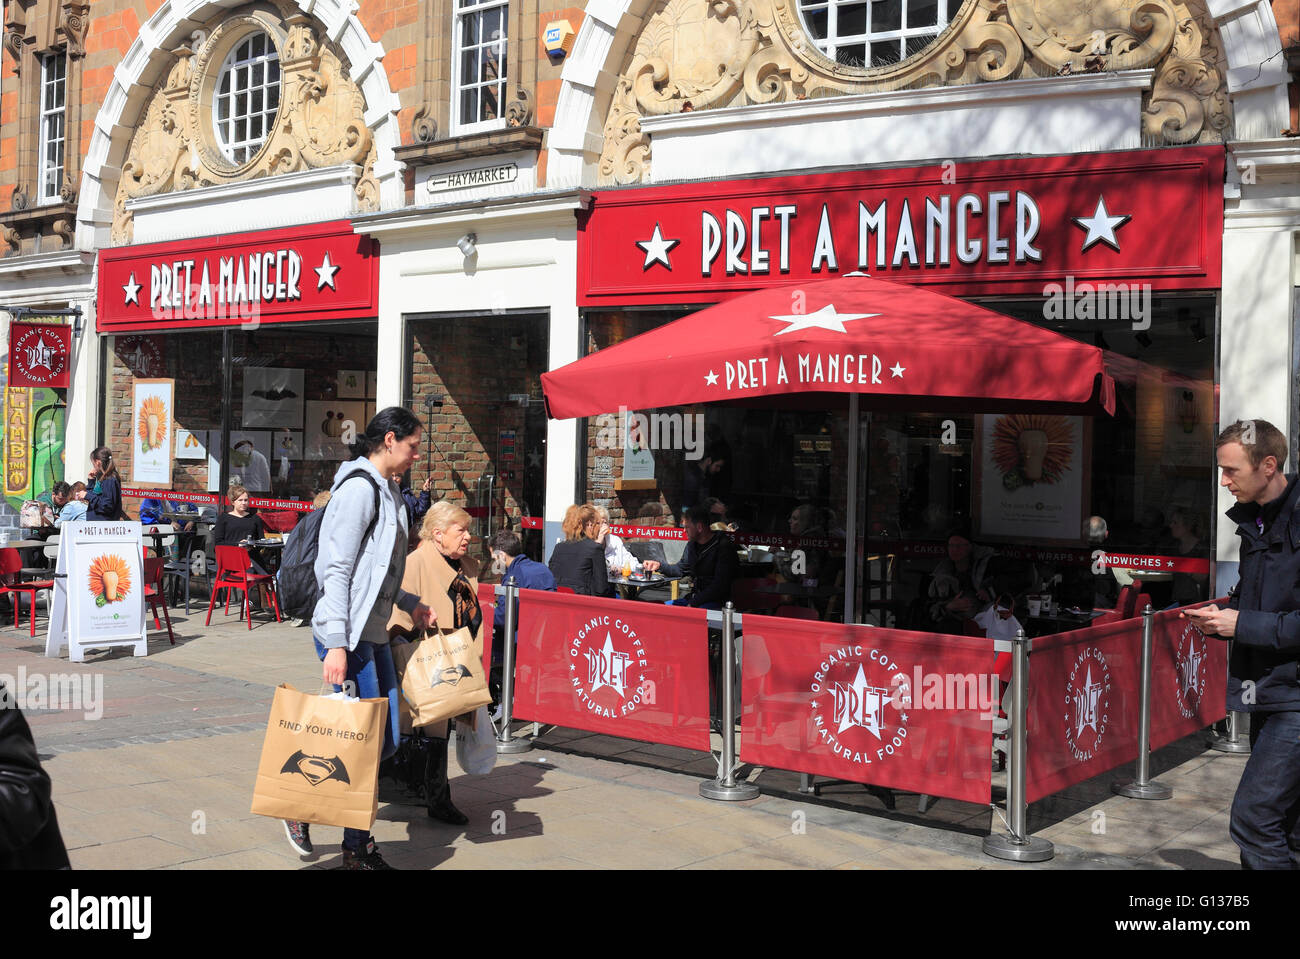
{"type": "Point", "coordinates": [316, 769]}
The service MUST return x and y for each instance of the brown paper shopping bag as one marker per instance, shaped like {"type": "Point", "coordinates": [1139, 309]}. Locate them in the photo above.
{"type": "Point", "coordinates": [320, 760]}
{"type": "Point", "coordinates": [441, 676]}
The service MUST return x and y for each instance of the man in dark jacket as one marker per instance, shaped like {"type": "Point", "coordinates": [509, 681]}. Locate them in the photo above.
{"type": "Point", "coordinates": [29, 830]}
{"type": "Point", "coordinates": [1263, 620]}
{"type": "Point", "coordinates": [710, 560]}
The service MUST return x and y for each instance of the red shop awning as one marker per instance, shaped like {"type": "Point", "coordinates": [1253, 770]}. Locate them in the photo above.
{"type": "Point", "coordinates": [894, 344]}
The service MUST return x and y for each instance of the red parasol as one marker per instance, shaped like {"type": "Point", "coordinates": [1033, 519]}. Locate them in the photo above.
{"type": "Point", "coordinates": [894, 344]}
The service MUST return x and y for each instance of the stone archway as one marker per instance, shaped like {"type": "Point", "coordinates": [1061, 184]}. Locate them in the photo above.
{"type": "Point", "coordinates": [1245, 32]}
{"type": "Point", "coordinates": [150, 57]}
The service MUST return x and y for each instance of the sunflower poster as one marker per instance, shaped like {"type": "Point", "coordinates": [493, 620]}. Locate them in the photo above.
{"type": "Point", "coordinates": [1032, 477]}
{"type": "Point", "coordinates": [99, 599]}
{"type": "Point", "coordinates": [153, 432]}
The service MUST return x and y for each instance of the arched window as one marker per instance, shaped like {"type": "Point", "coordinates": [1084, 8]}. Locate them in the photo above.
{"type": "Point", "coordinates": [876, 33]}
{"type": "Point", "coordinates": [248, 98]}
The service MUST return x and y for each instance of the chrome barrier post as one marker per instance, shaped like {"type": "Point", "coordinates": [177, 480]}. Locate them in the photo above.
{"type": "Point", "coordinates": [1143, 787]}
{"type": "Point", "coordinates": [1236, 739]}
{"type": "Point", "coordinates": [505, 742]}
{"type": "Point", "coordinates": [1015, 845]}
{"type": "Point", "coordinates": [726, 787]}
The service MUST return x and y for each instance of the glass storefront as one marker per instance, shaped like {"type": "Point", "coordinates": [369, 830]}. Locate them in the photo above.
{"type": "Point", "coordinates": [271, 409]}
{"type": "Point", "coordinates": [1020, 484]}
{"type": "Point", "coordinates": [477, 380]}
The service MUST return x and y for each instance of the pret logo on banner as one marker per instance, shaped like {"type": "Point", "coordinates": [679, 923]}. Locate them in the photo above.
{"type": "Point", "coordinates": [39, 355]}
{"type": "Point", "coordinates": [98, 590]}
{"type": "Point", "coordinates": [1191, 655]}
{"type": "Point", "coordinates": [152, 436]}
{"type": "Point", "coordinates": [608, 679]}
{"type": "Point", "coordinates": [624, 669]}
{"type": "Point", "coordinates": [859, 705]}
{"type": "Point", "coordinates": [1087, 704]}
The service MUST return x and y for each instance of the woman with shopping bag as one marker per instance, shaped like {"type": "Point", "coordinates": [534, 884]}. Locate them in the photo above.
{"type": "Point", "coordinates": [360, 564]}
{"type": "Point", "coordinates": [446, 579]}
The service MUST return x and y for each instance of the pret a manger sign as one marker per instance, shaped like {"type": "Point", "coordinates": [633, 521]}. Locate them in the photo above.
{"type": "Point", "coordinates": [322, 271]}
{"type": "Point", "coordinates": [997, 226]}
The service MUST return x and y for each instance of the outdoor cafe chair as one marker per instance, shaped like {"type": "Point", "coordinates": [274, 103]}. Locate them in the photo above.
{"type": "Point", "coordinates": [11, 565]}
{"type": "Point", "coordinates": [153, 576]}
{"type": "Point", "coordinates": [234, 571]}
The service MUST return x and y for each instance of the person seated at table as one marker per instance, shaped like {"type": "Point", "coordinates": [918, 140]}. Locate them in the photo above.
{"type": "Point", "coordinates": [56, 497]}
{"type": "Point", "coordinates": [804, 562]}
{"type": "Point", "coordinates": [617, 555]}
{"type": "Point", "coordinates": [578, 563]}
{"type": "Point", "coordinates": [710, 561]}
{"type": "Point", "coordinates": [509, 561]}
{"type": "Point", "coordinates": [75, 509]}
{"type": "Point", "coordinates": [960, 585]}
{"type": "Point", "coordinates": [239, 526]}
{"type": "Point", "coordinates": [1089, 584]}
{"type": "Point", "coordinates": [154, 511]}
{"type": "Point", "coordinates": [999, 620]}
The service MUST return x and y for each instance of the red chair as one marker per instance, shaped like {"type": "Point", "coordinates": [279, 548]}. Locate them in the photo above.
{"type": "Point", "coordinates": [566, 589]}
{"type": "Point", "coordinates": [280, 521]}
{"type": "Point", "coordinates": [796, 612]}
{"type": "Point", "coordinates": [233, 565]}
{"type": "Point", "coordinates": [11, 564]}
{"type": "Point", "coordinates": [153, 574]}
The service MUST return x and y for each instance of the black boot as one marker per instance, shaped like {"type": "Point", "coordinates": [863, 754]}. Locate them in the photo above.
{"type": "Point", "coordinates": [437, 788]}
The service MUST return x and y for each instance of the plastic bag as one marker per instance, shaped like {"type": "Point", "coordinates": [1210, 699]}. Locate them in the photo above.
{"type": "Point", "coordinates": [476, 746]}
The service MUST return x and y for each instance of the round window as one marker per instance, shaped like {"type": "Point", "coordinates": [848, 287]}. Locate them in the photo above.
{"type": "Point", "coordinates": [877, 33]}
{"type": "Point", "coordinates": [247, 97]}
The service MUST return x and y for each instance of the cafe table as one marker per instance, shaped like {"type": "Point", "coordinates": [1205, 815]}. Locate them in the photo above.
{"type": "Point", "coordinates": [268, 552]}
{"type": "Point", "coordinates": [631, 586]}
{"type": "Point", "coordinates": [1061, 621]}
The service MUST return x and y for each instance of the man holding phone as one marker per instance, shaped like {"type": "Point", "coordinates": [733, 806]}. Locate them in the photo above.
{"type": "Point", "coordinates": [1263, 619]}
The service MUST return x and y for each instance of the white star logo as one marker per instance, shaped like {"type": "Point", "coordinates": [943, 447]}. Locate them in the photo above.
{"type": "Point", "coordinates": [1101, 226]}
{"type": "Point", "coordinates": [897, 369]}
{"type": "Point", "coordinates": [656, 249]}
{"type": "Point", "coordinates": [325, 273]}
{"type": "Point", "coordinates": [132, 290]}
{"type": "Point", "coordinates": [863, 707]}
{"type": "Point", "coordinates": [711, 378]}
{"type": "Point", "coordinates": [824, 319]}
{"type": "Point", "coordinates": [40, 355]}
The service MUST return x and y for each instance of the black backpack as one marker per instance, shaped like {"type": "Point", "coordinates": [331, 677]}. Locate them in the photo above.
{"type": "Point", "coordinates": [296, 581]}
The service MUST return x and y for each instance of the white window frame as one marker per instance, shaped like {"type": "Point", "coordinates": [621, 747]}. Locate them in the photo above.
{"type": "Point", "coordinates": [463, 9]}
{"type": "Point", "coordinates": [224, 130]}
{"type": "Point", "coordinates": [53, 127]}
{"type": "Point", "coordinates": [896, 39]}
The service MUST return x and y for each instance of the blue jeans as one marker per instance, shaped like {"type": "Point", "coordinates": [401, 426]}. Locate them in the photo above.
{"type": "Point", "coordinates": [370, 668]}
{"type": "Point", "coordinates": [1266, 809]}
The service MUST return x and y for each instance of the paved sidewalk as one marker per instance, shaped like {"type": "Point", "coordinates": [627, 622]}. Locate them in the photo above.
{"type": "Point", "coordinates": [164, 780]}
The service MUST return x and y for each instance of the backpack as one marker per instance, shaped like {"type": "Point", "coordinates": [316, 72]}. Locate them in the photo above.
{"type": "Point", "coordinates": [296, 582]}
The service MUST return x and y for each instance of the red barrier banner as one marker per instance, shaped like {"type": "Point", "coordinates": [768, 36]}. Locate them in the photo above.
{"type": "Point", "coordinates": [637, 670]}
{"type": "Point", "coordinates": [1083, 704]}
{"type": "Point", "coordinates": [888, 707]}
{"type": "Point", "coordinates": [1189, 678]}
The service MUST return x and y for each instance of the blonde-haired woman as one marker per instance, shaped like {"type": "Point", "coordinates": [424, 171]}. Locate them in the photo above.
{"type": "Point", "coordinates": [446, 580]}
{"type": "Point", "coordinates": [578, 563]}
{"type": "Point", "coordinates": [240, 525]}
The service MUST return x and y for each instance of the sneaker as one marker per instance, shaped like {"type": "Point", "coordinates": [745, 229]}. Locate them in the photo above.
{"type": "Point", "coordinates": [299, 837]}
{"type": "Point", "coordinates": [366, 857]}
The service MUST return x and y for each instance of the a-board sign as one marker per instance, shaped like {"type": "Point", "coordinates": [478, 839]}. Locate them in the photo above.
{"type": "Point", "coordinates": [98, 590]}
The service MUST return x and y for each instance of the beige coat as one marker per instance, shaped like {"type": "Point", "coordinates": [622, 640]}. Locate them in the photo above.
{"type": "Point", "coordinates": [429, 576]}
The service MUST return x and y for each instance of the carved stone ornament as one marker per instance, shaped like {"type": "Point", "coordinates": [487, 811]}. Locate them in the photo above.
{"type": "Point", "coordinates": [519, 110]}
{"type": "Point", "coordinates": [706, 54]}
{"type": "Point", "coordinates": [424, 125]}
{"type": "Point", "coordinates": [74, 23]}
{"type": "Point", "coordinates": [13, 40]}
{"type": "Point", "coordinates": [12, 239]}
{"type": "Point", "coordinates": [19, 200]}
{"type": "Point", "coordinates": [320, 123]}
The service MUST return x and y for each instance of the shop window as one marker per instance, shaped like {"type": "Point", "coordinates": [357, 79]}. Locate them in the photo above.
{"type": "Point", "coordinates": [479, 46]}
{"type": "Point", "coordinates": [485, 417]}
{"type": "Point", "coordinates": [875, 33]}
{"type": "Point", "coordinates": [53, 115]}
{"type": "Point", "coordinates": [279, 423]}
{"type": "Point", "coordinates": [247, 98]}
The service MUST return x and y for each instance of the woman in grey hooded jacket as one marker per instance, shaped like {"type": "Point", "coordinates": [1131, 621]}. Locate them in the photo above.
{"type": "Point", "coordinates": [360, 561]}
